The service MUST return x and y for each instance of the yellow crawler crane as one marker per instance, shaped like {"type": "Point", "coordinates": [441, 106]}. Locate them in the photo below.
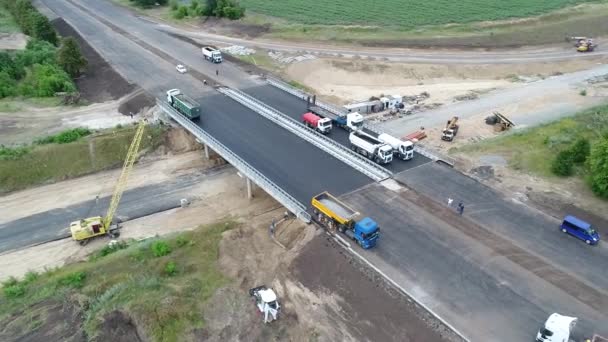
{"type": "Point", "coordinates": [85, 229]}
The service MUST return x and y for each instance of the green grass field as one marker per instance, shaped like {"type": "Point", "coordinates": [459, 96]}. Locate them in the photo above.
{"type": "Point", "coordinates": [532, 150]}
{"type": "Point", "coordinates": [55, 162]}
{"type": "Point", "coordinates": [402, 13]}
{"type": "Point", "coordinates": [162, 284]}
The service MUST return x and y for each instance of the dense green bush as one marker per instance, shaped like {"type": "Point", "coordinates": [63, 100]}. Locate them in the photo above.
{"type": "Point", "coordinates": [598, 167]}
{"type": "Point", "coordinates": [8, 65]}
{"type": "Point", "coordinates": [30, 20]}
{"type": "Point", "coordinates": [45, 80]}
{"type": "Point", "coordinates": [148, 3]}
{"type": "Point", "coordinates": [35, 72]}
{"type": "Point", "coordinates": [12, 153]}
{"type": "Point", "coordinates": [170, 268]}
{"type": "Point", "coordinates": [182, 11]}
{"type": "Point", "coordinates": [65, 137]}
{"type": "Point", "coordinates": [8, 86]}
{"type": "Point", "coordinates": [75, 280]}
{"type": "Point", "coordinates": [160, 248]}
{"type": "Point", "coordinates": [36, 52]}
{"type": "Point", "coordinates": [580, 150]}
{"type": "Point", "coordinates": [563, 164]}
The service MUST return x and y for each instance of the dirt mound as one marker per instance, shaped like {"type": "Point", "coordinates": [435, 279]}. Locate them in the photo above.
{"type": "Point", "coordinates": [118, 327]}
{"type": "Point", "coordinates": [135, 102]}
{"type": "Point", "coordinates": [99, 82]}
{"type": "Point", "coordinates": [45, 321]}
{"type": "Point", "coordinates": [381, 314]}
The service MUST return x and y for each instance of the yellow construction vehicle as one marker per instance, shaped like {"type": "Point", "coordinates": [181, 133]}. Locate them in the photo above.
{"type": "Point", "coordinates": [585, 45]}
{"type": "Point", "coordinates": [85, 229]}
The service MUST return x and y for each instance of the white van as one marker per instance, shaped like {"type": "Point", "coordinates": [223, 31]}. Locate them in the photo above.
{"type": "Point", "coordinates": [557, 328]}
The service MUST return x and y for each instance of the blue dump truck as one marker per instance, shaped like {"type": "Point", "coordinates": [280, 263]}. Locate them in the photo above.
{"type": "Point", "coordinates": [333, 214]}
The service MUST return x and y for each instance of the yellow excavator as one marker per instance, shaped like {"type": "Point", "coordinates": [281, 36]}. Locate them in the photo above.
{"type": "Point", "coordinates": [85, 229]}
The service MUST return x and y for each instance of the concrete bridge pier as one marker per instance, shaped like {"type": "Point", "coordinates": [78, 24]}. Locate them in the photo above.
{"type": "Point", "coordinates": [249, 188]}
{"type": "Point", "coordinates": [206, 147]}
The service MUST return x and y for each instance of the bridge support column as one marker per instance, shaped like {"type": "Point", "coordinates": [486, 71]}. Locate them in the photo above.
{"type": "Point", "coordinates": [206, 147]}
{"type": "Point", "coordinates": [249, 189]}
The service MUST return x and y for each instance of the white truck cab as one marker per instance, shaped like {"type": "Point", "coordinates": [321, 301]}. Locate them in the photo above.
{"type": "Point", "coordinates": [354, 121]}
{"type": "Point", "coordinates": [211, 54]}
{"type": "Point", "coordinates": [557, 328]}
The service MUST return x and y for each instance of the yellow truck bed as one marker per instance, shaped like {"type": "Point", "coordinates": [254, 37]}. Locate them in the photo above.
{"type": "Point", "coordinates": [332, 207]}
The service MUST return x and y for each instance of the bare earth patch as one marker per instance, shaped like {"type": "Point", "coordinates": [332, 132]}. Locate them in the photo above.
{"type": "Point", "coordinates": [13, 41]}
{"type": "Point", "coordinates": [356, 80]}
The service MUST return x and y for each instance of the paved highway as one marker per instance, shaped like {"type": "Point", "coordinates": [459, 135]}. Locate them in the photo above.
{"type": "Point", "coordinates": [138, 202]}
{"type": "Point", "coordinates": [295, 107]}
{"type": "Point", "coordinates": [469, 280]}
{"type": "Point", "coordinates": [490, 287]}
{"type": "Point", "coordinates": [290, 162]}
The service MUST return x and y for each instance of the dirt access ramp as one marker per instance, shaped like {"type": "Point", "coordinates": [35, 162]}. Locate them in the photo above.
{"type": "Point", "coordinates": [99, 81]}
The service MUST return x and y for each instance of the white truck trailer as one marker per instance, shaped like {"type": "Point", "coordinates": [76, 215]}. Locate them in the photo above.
{"type": "Point", "coordinates": [370, 147]}
{"type": "Point", "coordinates": [212, 54]}
{"type": "Point", "coordinates": [402, 149]}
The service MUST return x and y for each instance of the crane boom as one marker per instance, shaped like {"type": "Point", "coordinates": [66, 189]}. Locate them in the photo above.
{"type": "Point", "coordinates": [124, 175]}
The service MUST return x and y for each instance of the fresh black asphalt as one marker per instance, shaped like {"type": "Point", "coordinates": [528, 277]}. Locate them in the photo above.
{"type": "Point", "coordinates": [294, 107]}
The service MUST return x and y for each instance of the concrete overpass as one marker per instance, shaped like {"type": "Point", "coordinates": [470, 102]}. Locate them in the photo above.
{"type": "Point", "coordinates": [484, 289]}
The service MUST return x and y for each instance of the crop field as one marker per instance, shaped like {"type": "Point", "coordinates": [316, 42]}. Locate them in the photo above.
{"type": "Point", "coordinates": [402, 13]}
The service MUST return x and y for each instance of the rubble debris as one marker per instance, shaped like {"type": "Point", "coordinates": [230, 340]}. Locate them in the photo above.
{"type": "Point", "coordinates": [467, 97]}
{"type": "Point", "coordinates": [238, 50]}
{"type": "Point", "coordinates": [597, 79]}
{"type": "Point", "coordinates": [283, 59]}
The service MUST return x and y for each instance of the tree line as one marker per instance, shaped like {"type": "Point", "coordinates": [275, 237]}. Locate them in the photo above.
{"type": "Point", "coordinates": [230, 9]}
{"type": "Point", "coordinates": [30, 21]}
{"type": "Point", "coordinates": [588, 159]}
{"type": "Point", "coordinates": [42, 69]}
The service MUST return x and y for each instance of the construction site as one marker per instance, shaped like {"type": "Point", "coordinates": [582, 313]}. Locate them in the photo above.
{"type": "Point", "coordinates": [225, 188]}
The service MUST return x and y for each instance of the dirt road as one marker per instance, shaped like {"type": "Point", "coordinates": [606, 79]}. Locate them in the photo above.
{"type": "Point", "coordinates": [532, 104]}
{"type": "Point", "coordinates": [448, 56]}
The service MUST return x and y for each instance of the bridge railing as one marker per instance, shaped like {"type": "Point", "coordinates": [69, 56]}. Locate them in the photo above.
{"type": "Point", "coordinates": [233, 159]}
{"type": "Point", "coordinates": [332, 147]}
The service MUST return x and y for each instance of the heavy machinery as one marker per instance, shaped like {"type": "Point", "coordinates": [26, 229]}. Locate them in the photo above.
{"type": "Point", "coordinates": [333, 214]}
{"type": "Point", "coordinates": [184, 104]}
{"type": "Point", "coordinates": [266, 302]}
{"type": "Point", "coordinates": [348, 121]}
{"type": "Point", "coordinates": [85, 229]}
{"type": "Point", "coordinates": [584, 44]}
{"type": "Point", "coordinates": [319, 124]}
{"type": "Point", "coordinates": [450, 130]}
{"type": "Point", "coordinates": [211, 54]}
{"type": "Point", "coordinates": [370, 147]}
{"type": "Point", "coordinates": [499, 121]}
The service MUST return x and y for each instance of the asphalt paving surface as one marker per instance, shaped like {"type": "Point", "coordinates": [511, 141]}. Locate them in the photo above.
{"type": "Point", "coordinates": [485, 285]}
{"type": "Point", "coordinates": [139, 202]}
{"type": "Point", "coordinates": [290, 162]}
{"type": "Point", "coordinates": [481, 289]}
{"type": "Point", "coordinates": [294, 107]}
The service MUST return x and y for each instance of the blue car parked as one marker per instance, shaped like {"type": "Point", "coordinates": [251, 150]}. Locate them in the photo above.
{"type": "Point", "coordinates": [580, 229]}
